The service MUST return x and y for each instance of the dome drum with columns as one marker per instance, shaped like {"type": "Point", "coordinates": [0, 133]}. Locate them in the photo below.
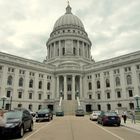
{"type": "Point", "coordinates": [68, 38]}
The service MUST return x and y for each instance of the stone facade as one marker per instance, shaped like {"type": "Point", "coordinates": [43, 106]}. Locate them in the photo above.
{"type": "Point", "coordinates": [70, 71]}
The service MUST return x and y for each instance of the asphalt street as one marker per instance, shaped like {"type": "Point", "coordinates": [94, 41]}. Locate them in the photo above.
{"type": "Point", "coordinates": [78, 128]}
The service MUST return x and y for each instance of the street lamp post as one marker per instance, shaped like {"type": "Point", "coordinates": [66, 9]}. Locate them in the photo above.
{"type": "Point", "coordinates": [137, 97]}
{"type": "Point", "coordinates": [10, 102]}
{"type": "Point", "coordinates": [3, 101]}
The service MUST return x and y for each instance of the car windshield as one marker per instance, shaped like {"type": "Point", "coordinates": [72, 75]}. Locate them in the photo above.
{"type": "Point", "coordinates": [43, 111]}
{"type": "Point", "coordinates": [96, 112]}
{"type": "Point", "coordinates": [13, 115]}
{"type": "Point", "coordinates": [110, 113]}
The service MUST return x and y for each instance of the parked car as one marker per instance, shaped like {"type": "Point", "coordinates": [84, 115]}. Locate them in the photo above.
{"type": "Point", "coordinates": [79, 112]}
{"type": "Point", "coordinates": [94, 115]}
{"type": "Point", "coordinates": [17, 122]}
{"type": "Point", "coordinates": [59, 112]}
{"type": "Point", "coordinates": [44, 114]}
{"type": "Point", "coordinates": [109, 118]}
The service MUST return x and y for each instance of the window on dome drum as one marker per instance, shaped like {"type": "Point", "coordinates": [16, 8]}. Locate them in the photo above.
{"type": "Point", "coordinates": [39, 96]}
{"type": "Point", "coordinates": [30, 95]}
{"type": "Point", "coordinates": [98, 84]}
{"type": "Point", "coordinates": [20, 95]}
{"type": "Point", "coordinates": [74, 51]}
{"type": "Point", "coordinates": [129, 80]}
{"type": "Point", "coordinates": [131, 105]}
{"type": "Point", "coordinates": [119, 105]}
{"type": "Point", "coordinates": [89, 86]}
{"type": "Point", "coordinates": [31, 83]}
{"type": "Point", "coordinates": [48, 86]}
{"type": "Point", "coordinates": [138, 67]}
{"type": "Point", "coordinates": [117, 81]}
{"type": "Point", "coordinates": [30, 107]}
{"type": "Point", "coordinates": [8, 94]}
{"type": "Point", "coordinates": [20, 82]}
{"type": "Point", "coordinates": [99, 107]}
{"type": "Point", "coordinates": [107, 83]}
{"type": "Point", "coordinates": [98, 96]}
{"type": "Point", "coordinates": [108, 95]}
{"type": "Point", "coordinates": [79, 52]}
{"type": "Point", "coordinates": [0, 67]}
{"type": "Point", "coordinates": [9, 80]}
{"type": "Point", "coordinates": [19, 105]}
{"type": "Point", "coordinates": [57, 52]}
{"type": "Point", "coordinates": [118, 94]}
{"type": "Point", "coordinates": [63, 51]}
{"type": "Point", "coordinates": [40, 85]}
{"type": "Point", "coordinates": [130, 92]}
{"type": "Point", "coordinates": [108, 107]}
{"type": "Point", "coordinates": [39, 107]}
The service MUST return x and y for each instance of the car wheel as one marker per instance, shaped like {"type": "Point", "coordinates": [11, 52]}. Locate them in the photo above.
{"type": "Point", "coordinates": [118, 124]}
{"type": "Point", "coordinates": [103, 123]}
{"type": "Point", "coordinates": [31, 127]}
{"type": "Point", "coordinates": [21, 132]}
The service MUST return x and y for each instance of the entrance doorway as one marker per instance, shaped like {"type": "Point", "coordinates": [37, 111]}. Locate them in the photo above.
{"type": "Point", "coordinates": [88, 108]}
{"type": "Point", "coordinates": [69, 97]}
{"type": "Point", "coordinates": [50, 107]}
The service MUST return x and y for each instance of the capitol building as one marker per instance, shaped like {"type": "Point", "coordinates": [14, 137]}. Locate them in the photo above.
{"type": "Point", "coordinates": [69, 74]}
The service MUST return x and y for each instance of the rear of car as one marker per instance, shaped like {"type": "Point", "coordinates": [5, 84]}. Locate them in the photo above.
{"type": "Point", "coordinates": [59, 112]}
{"type": "Point", "coordinates": [109, 118]}
{"type": "Point", "coordinates": [17, 122]}
{"type": "Point", "coordinates": [44, 114]}
{"type": "Point", "coordinates": [94, 115]}
{"type": "Point", "coordinates": [79, 112]}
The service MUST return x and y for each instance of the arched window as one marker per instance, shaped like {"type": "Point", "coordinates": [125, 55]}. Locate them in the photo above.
{"type": "Point", "coordinates": [129, 80]}
{"type": "Point", "coordinates": [9, 80]}
{"type": "Point", "coordinates": [107, 83]}
{"type": "Point", "coordinates": [117, 81]}
{"type": "Point", "coordinates": [89, 86]}
{"type": "Point", "coordinates": [31, 83]}
{"type": "Point", "coordinates": [20, 82]}
{"type": "Point", "coordinates": [108, 107]}
{"type": "Point", "coordinates": [98, 84]}
{"type": "Point", "coordinates": [48, 86]}
{"type": "Point", "coordinates": [40, 85]}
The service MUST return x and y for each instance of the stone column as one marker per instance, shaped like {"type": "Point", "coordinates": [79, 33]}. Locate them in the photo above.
{"type": "Point", "coordinates": [54, 49]}
{"type": "Point", "coordinates": [83, 49]}
{"type": "Point", "coordinates": [81, 85]}
{"type": "Point", "coordinates": [57, 83]}
{"type": "Point", "coordinates": [78, 48]}
{"type": "Point", "coordinates": [73, 87]}
{"type": "Point", "coordinates": [59, 45]}
{"type": "Point", "coordinates": [65, 87]}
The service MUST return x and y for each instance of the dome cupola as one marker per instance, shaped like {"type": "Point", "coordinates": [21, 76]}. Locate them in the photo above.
{"type": "Point", "coordinates": [68, 19]}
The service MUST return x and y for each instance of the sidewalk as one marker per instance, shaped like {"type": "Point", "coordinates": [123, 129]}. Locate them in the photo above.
{"type": "Point", "coordinates": [131, 125]}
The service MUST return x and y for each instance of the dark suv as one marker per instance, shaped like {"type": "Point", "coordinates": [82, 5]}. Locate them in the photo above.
{"type": "Point", "coordinates": [44, 114]}
{"type": "Point", "coordinates": [17, 122]}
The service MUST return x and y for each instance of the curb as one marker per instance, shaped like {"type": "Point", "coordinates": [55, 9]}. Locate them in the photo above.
{"type": "Point", "coordinates": [131, 128]}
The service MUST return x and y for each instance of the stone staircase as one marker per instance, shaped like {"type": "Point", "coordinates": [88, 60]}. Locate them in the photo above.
{"type": "Point", "coordinates": [69, 106]}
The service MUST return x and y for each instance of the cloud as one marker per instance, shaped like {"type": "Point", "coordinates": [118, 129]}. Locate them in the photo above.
{"type": "Point", "coordinates": [112, 26]}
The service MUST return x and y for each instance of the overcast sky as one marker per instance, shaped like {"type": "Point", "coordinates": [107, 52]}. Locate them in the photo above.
{"type": "Point", "coordinates": [113, 26]}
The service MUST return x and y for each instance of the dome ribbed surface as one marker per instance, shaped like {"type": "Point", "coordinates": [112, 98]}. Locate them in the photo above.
{"type": "Point", "coordinates": [68, 20]}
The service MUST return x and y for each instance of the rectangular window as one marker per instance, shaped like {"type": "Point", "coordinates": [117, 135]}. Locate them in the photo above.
{"type": "Point", "coordinates": [108, 95]}
{"type": "Point", "coordinates": [130, 92]}
{"type": "Point", "coordinates": [90, 96]}
{"type": "Point", "coordinates": [118, 94]}
{"type": "Point", "coordinates": [39, 96]}
{"type": "Point", "coordinates": [8, 94]}
{"type": "Point", "coordinates": [19, 94]}
{"type": "Point", "coordinates": [98, 96]}
{"type": "Point", "coordinates": [30, 95]}
{"type": "Point", "coordinates": [48, 97]}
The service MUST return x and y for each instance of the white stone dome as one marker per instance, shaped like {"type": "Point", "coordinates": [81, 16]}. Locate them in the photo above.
{"type": "Point", "coordinates": [68, 19]}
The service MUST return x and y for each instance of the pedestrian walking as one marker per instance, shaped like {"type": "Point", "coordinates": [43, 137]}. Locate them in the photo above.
{"type": "Point", "coordinates": [124, 116]}
{"type": "Point", "coordinates": [133, 119]}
